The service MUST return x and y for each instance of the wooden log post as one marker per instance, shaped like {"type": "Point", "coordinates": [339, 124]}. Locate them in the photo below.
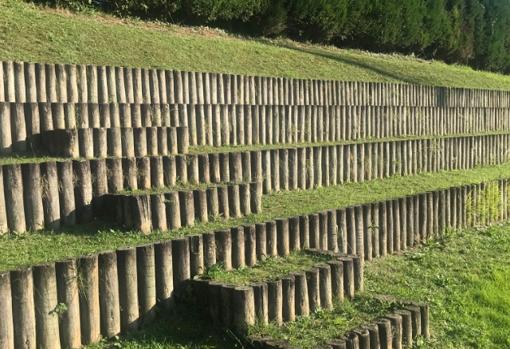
{"type": "Point", "coordinates": [32, 195]}
{"type": "Point", "coordinates": [337, 280]}
{"type": "Point", "coordinates": [416, 320]}
{"type": "Point", "coordinates": [256, 196]}
{"type": "Point", "coordinates": [407, 328]}
{"type": "Point", "coordinates": [294, 234]}
{"type": "Point", "coordinates": [314, 241]}
{"type": "Point", "coordinates": [146, 271]}
{"type": "Point", "coordinates": [275, 303]}
{"type": "Point", "coordinates": [272, 239]}
{"type": "Point", "coordinates": [88, 271]}
{"type": "Point", "coordinates": [332, 231]}
{"type": "Point", "coordinates": [282, 226]}
{"type": "Point", "coordinates": [109, 294]}
{"type": "Point", "coordinates": [6, 321]}
{"type": "Point", "coordinates": [385, 333]}
{"type": "Point", "coordinates": [261, 241]}
{"type": "Point", "coordinates": [238, 247]}
{"type": "Point", "coordinates": [250, 243]}
{"type": "Point", "coordinates": [212, 202]}
{"type": "Point", "coordinates": [325, 286]}
{"type": "Point", "coordinates": [200, 198]}
{"type": "Point", "coordinates": [181, 266]}
{"type": "Point", "coordinates": [349, 283]}
{"type": "Point", "coordinates": [304, 232]}
{"type": "Point", "coordinates": [23, 309]}
{"type": "Point", "coordinates": [128, 289]}
{"type": "Point", "coordinates": [223, 201]}
{"type": "Point", "coordinates": [289, 302]}
{"type": "Point", "coordinates": [313, 285]}
{"type": "Point", "coordinates": [83, 191]}
{"type": "Point", "coordinates": [261, 298]}
{"type": "Point", "coordinates": [245, 198]}
{"type": "Point", "coordinates": [223, 240]}
{"type": "Point", "coordinates": [13, 191]}
{"type": "Point", "coordinates": [187, 204]}
{"type": "Point", "coordinates": [68, 294]}
{"type": "Point", "coordinates": [164, 273]}
{"type": "Point", "coordinates": [396, 327]}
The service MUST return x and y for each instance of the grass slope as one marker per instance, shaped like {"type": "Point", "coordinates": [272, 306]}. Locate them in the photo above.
{"type": "Point", "coordinates": [464, 277]}
{"type": "Point", "coordinates": [31, 33]}
{"type": "Point", "coordinates": [29, 249]}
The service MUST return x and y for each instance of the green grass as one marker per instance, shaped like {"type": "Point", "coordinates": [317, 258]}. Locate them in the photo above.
{"type": "Point", "coordinates": [11, 160]}
{"type": "Point", "coordinates": [31, 33]}
{"type": "Point", "coordinates": [464, 277]}
{"type": "Point", "coordinates": [318, 329]}
{"type": "Point", "coordinates": [272, 268]}
{"type": "Point", "coordinates": [40, 247]}
{"type": "Point", "coordinates": [205, 149]}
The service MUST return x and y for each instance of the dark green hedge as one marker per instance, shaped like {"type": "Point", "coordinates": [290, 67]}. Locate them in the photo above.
{"type": "Point", "coordinates": [474, 32]}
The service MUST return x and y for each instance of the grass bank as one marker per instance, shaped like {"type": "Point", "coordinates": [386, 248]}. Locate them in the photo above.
{"type": "Point", "coordinates": [464, 277]}
{"type": "Point", "coordinates": [31, 33]}
{"type": "Point", "coordinates": [40, 247]}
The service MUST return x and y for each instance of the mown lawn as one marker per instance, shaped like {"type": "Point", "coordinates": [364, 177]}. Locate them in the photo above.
{"type": "Point", "coordinates": [31, 33]}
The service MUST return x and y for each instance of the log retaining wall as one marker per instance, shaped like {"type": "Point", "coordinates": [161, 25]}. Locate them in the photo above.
{"type": "Point", "coordinates": [106, 295]}
{"type": "Point", "coordinates": [36, 82]}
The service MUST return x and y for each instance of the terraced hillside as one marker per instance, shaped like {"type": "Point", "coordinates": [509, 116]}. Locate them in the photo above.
{"type": "Point", "coordinates": [129, 195]}
{"type": "Point", "coordinates": [35, 33]}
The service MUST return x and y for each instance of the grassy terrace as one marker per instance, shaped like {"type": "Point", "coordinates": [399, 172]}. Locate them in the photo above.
{"type": "Point", "coordinates": [239, 148]}
{"type": "Point", "coordinates": [28, 249]}
{"type": "Point", "coordinates": [272, 268]}
{"type": "Point", "coordinates": [22, 159]}
{"type": "Point", "coordinates": [31, 33]}
{"type": "Point", "coordinates": [464, 277]}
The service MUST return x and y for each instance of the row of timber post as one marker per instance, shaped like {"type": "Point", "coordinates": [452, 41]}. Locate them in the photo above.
{"type": "Point", "coordinates": [36, 82]}
{"type": "Point", "coordinates": [53, 193]}
{"type": "Point", "coordinates": [112, 142]}
{"type": "Point", "coordinates": [280, 300]}
{"type": "Point", "coordinates": [399, 330]}
{"type": "Point", "coordinates": [176, 209]}
{"type": "Point", "coordinates": [115, 291]}
{"type": "Point", "coordinates": [223, 125]}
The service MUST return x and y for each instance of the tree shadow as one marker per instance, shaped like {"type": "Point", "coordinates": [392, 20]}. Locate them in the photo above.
{"type": "Point", "coordinates": [353, 62]}
{"type": "Point", "coordinates": [182, 328]}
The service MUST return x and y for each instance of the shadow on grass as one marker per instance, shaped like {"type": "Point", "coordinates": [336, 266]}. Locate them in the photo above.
{"type": "Point", "coordinates": [182, 329]}
{"type": "Point", "coordinates": [354, 62]}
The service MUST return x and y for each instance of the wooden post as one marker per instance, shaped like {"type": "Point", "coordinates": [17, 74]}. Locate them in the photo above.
{"type": "Point", "coordinates": [6, 321]}
{"type": "Point", "coordinates": [224, 248]}
{"type": "Point", "coordinates": [68, 294]}
{"type": "Point", "coordinates": [128, 289]}
{"type": "Point", "coordinates": [23, 309]}
{"type": "Point", "coordinates": [146, 271]}
{"type": "Point", "coordinates": [181, 265]}
{"type": "Point", "coordinates": [164, 272]}
{"type": "Point", "coordinates": [109, 294]}
{"type": "Point", "coordinates": [89, 299]}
